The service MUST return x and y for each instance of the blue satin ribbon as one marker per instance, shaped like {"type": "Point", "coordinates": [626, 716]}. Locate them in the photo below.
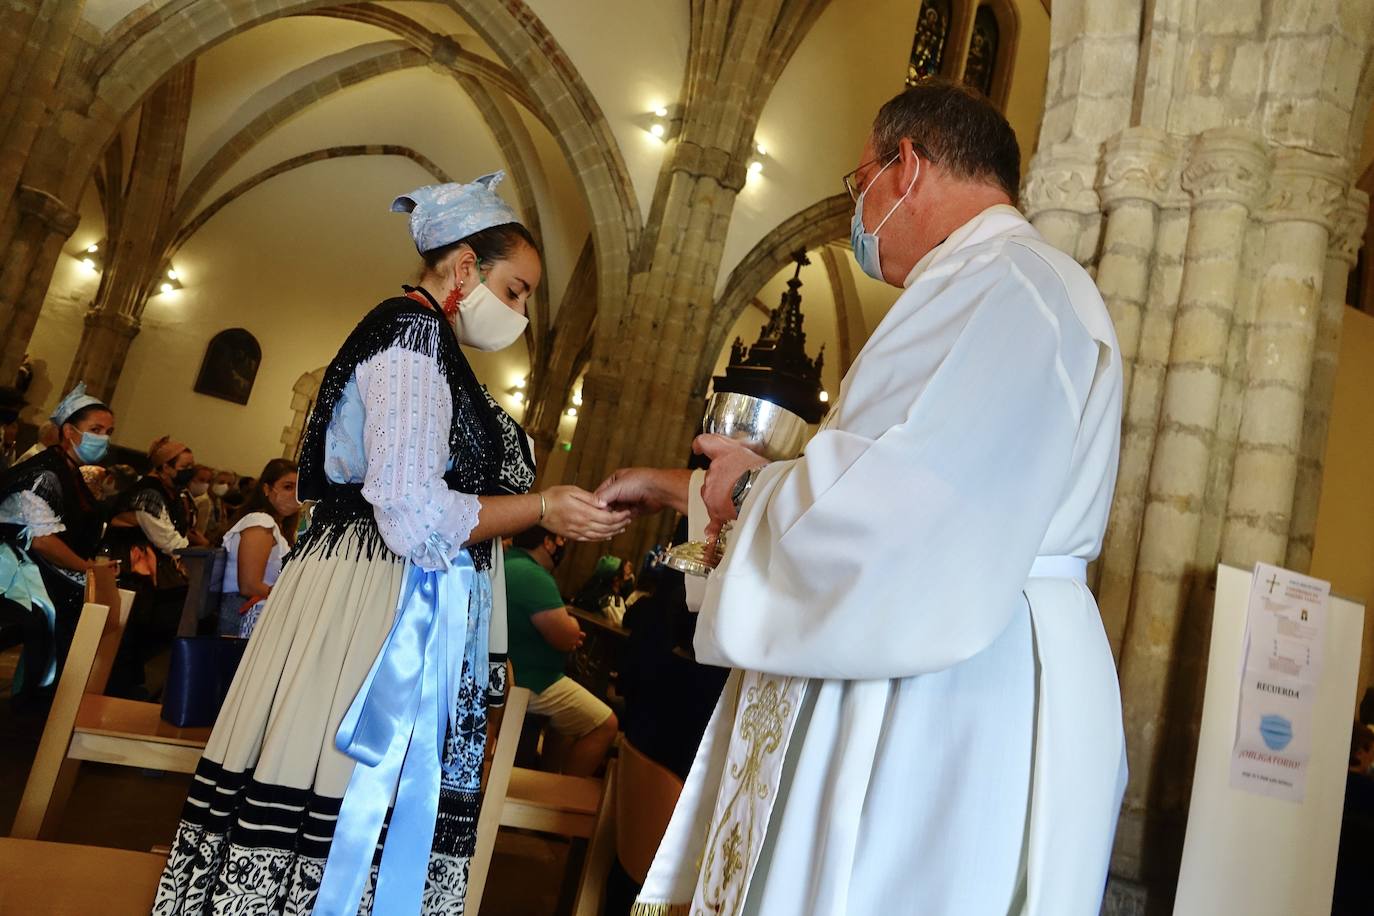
{"type": "Point", "coordinates": [395, 730]}
{"type": "Point", "coordinates": [22, 583]}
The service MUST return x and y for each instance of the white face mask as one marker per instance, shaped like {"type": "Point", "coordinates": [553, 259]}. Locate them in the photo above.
{"type": "Point", "coordinates": [484, 322]}
{"type": "Point", "coordinates": [198, 488]}
{"type": "Point", "coordinates": [220, 489]}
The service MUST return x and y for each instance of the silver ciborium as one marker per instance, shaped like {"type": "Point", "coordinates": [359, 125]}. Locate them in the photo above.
{"type": "Point", "coordinates": [762, 426]}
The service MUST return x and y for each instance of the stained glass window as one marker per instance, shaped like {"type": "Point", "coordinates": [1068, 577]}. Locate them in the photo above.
{"type": "Point", "coordinates": [928, 48]}
{"type": "Point", "coordinates": [982, 51]}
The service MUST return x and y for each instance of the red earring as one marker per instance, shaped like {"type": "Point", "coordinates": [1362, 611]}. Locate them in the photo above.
{"type": "Point", "coordinates": [452, 299]}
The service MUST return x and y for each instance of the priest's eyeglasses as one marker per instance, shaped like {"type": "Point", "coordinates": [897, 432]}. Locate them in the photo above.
{"type": "Point", "coordinates": [851, 179]}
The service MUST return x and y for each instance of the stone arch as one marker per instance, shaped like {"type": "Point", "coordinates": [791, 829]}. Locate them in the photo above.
{"type": "Point", "coordinates": [303, 396]}
{"type": "Point", "coordinates": [824, 221]}
{"type": "Point", "coordinates": [252, 133]}
{"type": "Point", "coordinates": [190, 228]}
{"type": "Point", "coordinates": [143, 50]}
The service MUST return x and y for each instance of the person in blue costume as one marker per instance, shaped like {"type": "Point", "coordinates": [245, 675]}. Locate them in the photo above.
{"type": "Point", "coordinates": [343, 773]}
{"type": "Point", "coordinates": [50, 525]}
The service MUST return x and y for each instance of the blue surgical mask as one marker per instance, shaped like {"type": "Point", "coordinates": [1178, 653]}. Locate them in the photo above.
{"type": "Point", "coordinates": [865, 244]}
{"type": "Point", "coordinates": [92, 447]}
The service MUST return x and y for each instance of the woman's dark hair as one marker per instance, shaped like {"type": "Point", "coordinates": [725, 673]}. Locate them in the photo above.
{"type": "Point", "coordinates": [496, 243]}
{"type": "Point", "coordinates": [83, 413]}
{"type": "Point", "coordinates": [257, 500]}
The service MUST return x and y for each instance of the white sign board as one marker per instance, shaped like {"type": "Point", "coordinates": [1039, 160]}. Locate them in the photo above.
{"type": "Point", "coordinates": [1285, 632]}
{"type": "Point", "coordinates": [1246, 852]}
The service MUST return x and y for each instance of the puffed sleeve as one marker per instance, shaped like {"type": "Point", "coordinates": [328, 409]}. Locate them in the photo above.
{"type": "Point", "coordinates": [407, 414]}
{"type": "Point", "coordinates": [31, 510]}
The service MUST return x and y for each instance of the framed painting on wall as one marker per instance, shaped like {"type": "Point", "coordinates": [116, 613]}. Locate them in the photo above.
{"type": "Point", "coordinates": [230, 366]}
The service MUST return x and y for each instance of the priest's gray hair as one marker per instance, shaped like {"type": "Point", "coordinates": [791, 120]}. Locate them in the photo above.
{"type": "Point", "coordinates": [956, 127]}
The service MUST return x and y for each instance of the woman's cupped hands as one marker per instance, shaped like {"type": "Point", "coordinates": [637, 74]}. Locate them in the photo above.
{"type": "Point", "coordinates": [580, 516]}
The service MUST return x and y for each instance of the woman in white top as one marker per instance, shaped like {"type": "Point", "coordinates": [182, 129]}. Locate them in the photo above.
{"type": "Point", "coordinates": [256, 545]}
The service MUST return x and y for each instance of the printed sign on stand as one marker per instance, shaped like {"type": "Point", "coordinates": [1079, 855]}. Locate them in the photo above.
{"type": "Point", "coordinates": [1285, 632]}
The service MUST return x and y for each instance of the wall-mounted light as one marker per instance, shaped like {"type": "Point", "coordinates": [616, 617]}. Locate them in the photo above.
{"type": "Point", "coordinates": [825, 397]}
{"type": "Point", "coordinates": [577, 398]}
{"type": "Point", "coordinates": [662, 122]}
{"type": "Point", "coordinates": [172, 283]}
{"type": "Point", "coordinates": [92, 257]}
{"type": "Point", "coordinates": [757, 160]}
{"type": "Point", "coordinates": [518, 397]}
{"type": "Point", "coordinates": [521, 382]}
{"type": "Point", "coordinates": [572, 412]}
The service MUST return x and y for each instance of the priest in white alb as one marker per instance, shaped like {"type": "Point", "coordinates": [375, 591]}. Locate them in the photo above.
{"type": "Point", "coordinates": [924, 715]}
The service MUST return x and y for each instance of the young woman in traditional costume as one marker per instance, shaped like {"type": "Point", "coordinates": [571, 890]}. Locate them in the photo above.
{"type": "Point", "coordinates": [50, 524]}
{"type": "Point", "coordinates": [375, 658]}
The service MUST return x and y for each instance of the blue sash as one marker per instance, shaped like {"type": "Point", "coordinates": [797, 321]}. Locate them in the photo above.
{"type": "Point", "coordinates": [395, 731]}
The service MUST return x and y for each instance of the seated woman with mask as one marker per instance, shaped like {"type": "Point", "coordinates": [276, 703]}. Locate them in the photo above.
{"type": "Point", "coordinates": [152, 520]}
{"type": "Point", "coordinates": [50, 526]}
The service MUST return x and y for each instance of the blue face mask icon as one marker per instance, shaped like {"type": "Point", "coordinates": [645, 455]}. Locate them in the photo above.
{"type": "Point", "coordinates": [865, 244]}
{"type": "Point", "coordinates": [92, 447]}
{"type": "Point", "coordinates": [1276, 731]}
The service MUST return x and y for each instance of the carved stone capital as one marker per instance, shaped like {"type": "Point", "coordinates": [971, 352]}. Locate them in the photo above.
{"type": "Point", "coordinates": [1064, 177]}
{"type": "Point", "coordinates": [1138, 164]}
{"type": "Point", "coordinates": [710, 162]}
{"type": "Point", "coordinates": [1306, 187]}
{"type": "Point", "coordinates": [54, 214]}
{"type": "Point", "coordinates": [121, 325]}
{"type": "Point", "coordinates": [1347, 235]}
{"type": "Point", "coordinates": [1227, 164]}
{"type": "Point", "coordinates": [600, 388]}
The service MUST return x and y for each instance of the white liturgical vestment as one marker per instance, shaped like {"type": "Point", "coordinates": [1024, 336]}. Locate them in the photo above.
{"type": "Point", "coordinates": [925, 716]}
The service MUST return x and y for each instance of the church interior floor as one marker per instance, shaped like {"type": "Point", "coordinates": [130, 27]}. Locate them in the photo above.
{"type": "Point", "coordinates": [136, 809]}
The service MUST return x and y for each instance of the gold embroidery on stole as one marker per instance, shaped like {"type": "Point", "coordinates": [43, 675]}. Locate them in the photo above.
{"type": "Point", "coordinates": [762, 728]}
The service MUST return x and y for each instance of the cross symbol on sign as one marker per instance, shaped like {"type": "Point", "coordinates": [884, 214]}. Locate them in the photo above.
{"type": "Point", "coordinates": [1274, 580]}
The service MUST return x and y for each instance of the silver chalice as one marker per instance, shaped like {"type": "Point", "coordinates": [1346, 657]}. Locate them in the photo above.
{"type": "Point", "coordinates": [761, 426]}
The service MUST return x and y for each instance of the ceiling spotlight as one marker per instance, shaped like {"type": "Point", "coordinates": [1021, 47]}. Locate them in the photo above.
{"type": "Point", "coordinates": [755, 167]}
{"type": "Point", "coordinates": [658, 130]}
{"type": "Point", "coordinates": [572, 411]}
{"type": "Point", "coordinates": [761, 150]}
{"type": "Point", "coordinates": [577, 398]}
{"type": "Point", "coordinates": [825, 397]}
{"type": "Point", "coordinates": [172, 274]}
{"type": "Point", "coordinates": [661, 112]}
{"type": "Point", "coordinates": [88, 263]}
{"type": "Point", "coordinates": [167, 287]}
{"type": "Point", "coordinates": [521, 382]}
{"type": "Point", "coordinates": [518, 397]}
{"type": "Point", "coordinates": [94, 248]}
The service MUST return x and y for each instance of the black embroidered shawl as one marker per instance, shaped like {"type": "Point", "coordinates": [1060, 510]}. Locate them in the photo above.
{"type": "Point", "coordinates": [490, 452]}
{"type": "Point", "coordinates": [55, 479]}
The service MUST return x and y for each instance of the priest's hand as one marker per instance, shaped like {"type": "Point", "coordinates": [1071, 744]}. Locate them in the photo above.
{"type": "Point", "coordinates": [644, 491]}
{"type": "Point", "coordinates": [729, 461]}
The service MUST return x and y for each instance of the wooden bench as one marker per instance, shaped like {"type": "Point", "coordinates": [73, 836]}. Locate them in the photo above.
{"type": "Point", "coordinates": [85, 725]}
{"type": "Point", "coordinates": [64, 879]}
{"type": "Point", "coordinates": [573, 806]}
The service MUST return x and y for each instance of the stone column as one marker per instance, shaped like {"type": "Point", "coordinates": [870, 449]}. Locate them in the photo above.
{"type": "Point", "coordinates": [101, 353]}
{"type": "Point", "coordinates": [1346, 238]}
{"type": "Point", "coordinates": [1225, 176]}
{"type": "Point", "coordinates": [34, 40]}
{"type": "Point", "coordinates": [44, 225]}
{"type": "Point", "coordinates": [134, 254]}
{"type": "Point", "coordinates": [1144, 170]}
{"type": "Point", "coordinates": [1060, 198]}
{"type": "Point", "coordinates": [1305, 192]}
